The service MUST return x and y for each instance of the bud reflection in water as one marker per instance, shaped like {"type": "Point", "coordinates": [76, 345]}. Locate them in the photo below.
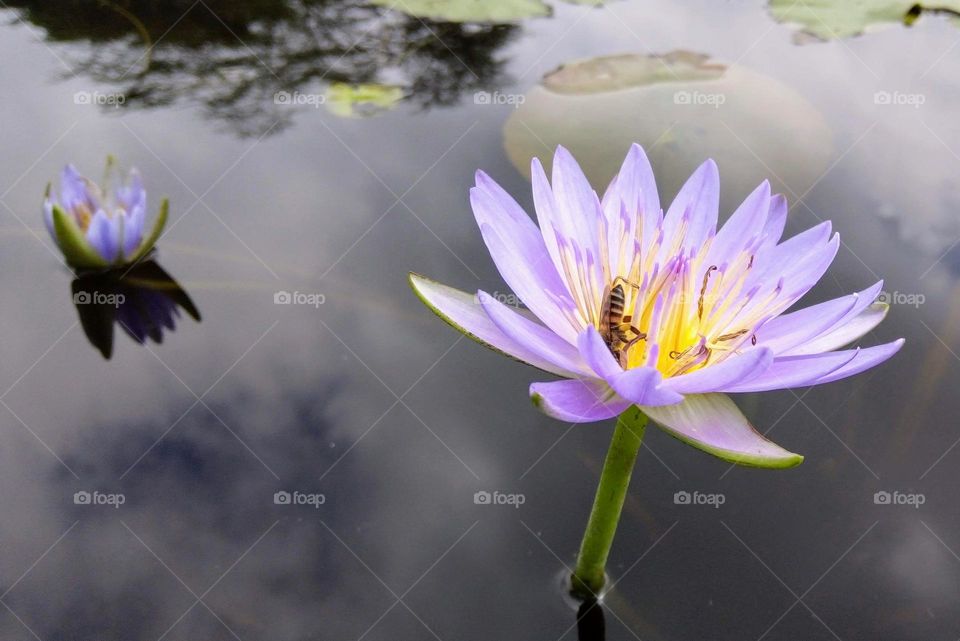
{"type": "Point", "coordinates": [144, 301]}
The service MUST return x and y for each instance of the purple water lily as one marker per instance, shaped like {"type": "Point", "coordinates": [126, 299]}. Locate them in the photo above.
{"type": "Point", "coordinates": [634, 307]}
{"type": "Point", "coordinates": [98, 226]}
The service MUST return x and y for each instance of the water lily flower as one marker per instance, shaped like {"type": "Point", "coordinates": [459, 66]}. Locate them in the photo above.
{"type": "Point", "coordinates": [98, 227]}
{"type": "Point", "coordinates": [634, 307]}
{"type": "Point", "coordinates": [646, 314]}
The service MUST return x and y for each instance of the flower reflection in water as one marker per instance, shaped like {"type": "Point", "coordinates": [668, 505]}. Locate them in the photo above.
{"type": "Point", "coordinates": [144, 301]}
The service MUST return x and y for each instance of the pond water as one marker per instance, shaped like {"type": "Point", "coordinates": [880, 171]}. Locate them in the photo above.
{"type": "Point", "coordinates": [382, 422]}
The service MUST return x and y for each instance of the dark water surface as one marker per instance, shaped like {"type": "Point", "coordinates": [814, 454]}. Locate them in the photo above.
{"type": "Point", "coordinates": [370, 401]}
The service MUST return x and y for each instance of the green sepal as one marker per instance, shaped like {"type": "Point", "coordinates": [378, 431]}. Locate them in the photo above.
{"type": "Point", "coordinates": [709, 421]}
{"type": "Point", "coordinates": [788, 460]}
{"type": "Point", "coordinates": [76, 250]}
{"type": "Point", "coordinates": [154, 236]}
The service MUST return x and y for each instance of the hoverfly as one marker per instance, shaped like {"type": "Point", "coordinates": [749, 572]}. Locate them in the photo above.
{"type": "Point", "coordinates": [616, 328]}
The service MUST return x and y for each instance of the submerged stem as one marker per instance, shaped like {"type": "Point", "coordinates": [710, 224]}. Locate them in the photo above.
{"type": "Point", "coordinates": [588, 577]}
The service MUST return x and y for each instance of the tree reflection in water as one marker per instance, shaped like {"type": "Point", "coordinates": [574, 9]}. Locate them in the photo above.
{"type": "Point", "coordinates": [233, 56]}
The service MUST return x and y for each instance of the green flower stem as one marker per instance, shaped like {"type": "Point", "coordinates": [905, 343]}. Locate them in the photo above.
{"type": "Point", "coordinates": [588, 577]}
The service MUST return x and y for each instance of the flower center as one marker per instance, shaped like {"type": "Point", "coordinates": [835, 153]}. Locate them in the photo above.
{"type": "Point", "coordinates": [664, 305]}
{"type": "Point", "coordinates": [685, 315]}
{"type": "Point", "coordinates": [83, 215]}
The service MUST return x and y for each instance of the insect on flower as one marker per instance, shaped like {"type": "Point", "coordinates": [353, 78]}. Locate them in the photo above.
{"type": "Point", "coordinates": [615, 327]}
{"type": "Point", "coordinates": [632, 306]}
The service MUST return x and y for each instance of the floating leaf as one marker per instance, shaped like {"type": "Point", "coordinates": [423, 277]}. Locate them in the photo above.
{"type": "Point", "coordinates": [469, 10]}
{"type": "Point", "coordinates": [610, 73]}
{"type": "Point", "coordinates": [683, 108]}
{"type": "Point", "coordinates": [354, 101]}
{"type": "Point", "coordinates": [829, 19]}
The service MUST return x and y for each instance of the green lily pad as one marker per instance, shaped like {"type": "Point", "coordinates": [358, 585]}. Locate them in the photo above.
{"type": "Point", "coordinates": [611, 73]}
{"type": "Point", "coordinates": [355, 101]}
{"type": "Point", "coordinates": [829, 19]}
{"type": "Point", "coordinates": [495, 11]}
{"type": "Point", "coordinates": [683, 108]}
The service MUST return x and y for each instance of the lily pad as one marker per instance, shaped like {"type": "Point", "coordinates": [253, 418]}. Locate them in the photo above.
{"type": "Point", "coordinates": [829, 19]}
{"type": "Point", "coordinates": [469, 10]}
{"type": "Point", "coordinates": [355, 101]}
{"type": "Point", "coordinates": [683, 108]}
{"type": "Point", "coordinates": [610, 73]}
